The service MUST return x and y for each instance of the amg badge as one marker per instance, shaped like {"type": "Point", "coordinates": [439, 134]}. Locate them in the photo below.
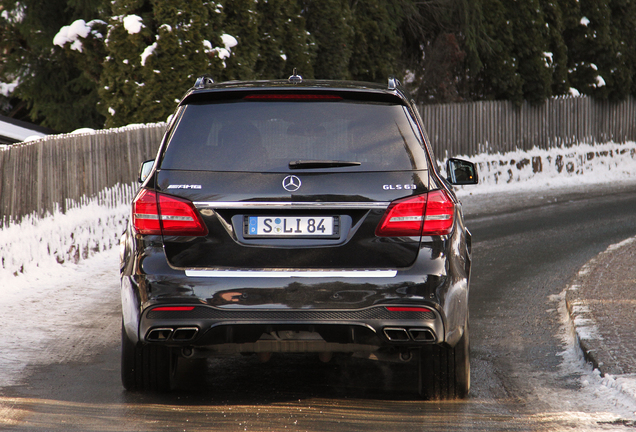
{"type": "Point", "coordinates": [184, 187]}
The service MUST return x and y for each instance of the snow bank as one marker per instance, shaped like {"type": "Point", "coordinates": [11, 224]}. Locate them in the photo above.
{"type": "Point", "coordinates": [37, 244]}
{"type": "Point", "coordinates": [54, 268]}
{"type": "Point", "coordinates": [600, 399]}
{"type": "Point", "coordinates": [582, 164]}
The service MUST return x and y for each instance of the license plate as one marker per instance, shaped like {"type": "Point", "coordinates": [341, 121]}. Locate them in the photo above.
{"type": "Point", "coordinates": [291, 226]}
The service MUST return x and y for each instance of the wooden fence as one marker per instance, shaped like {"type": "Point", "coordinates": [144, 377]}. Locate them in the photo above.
{"type": "Point", "coordinates": [60, 171]}
{"type": "Point", "coordinates": [500, 126]}
{"type": "Point", "coordinates": [56, 172]}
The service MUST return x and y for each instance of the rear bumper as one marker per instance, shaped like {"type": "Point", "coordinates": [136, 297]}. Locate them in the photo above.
{"type": "Point", "coordinates": [274, 330]}
{"type": "Point", "coordinates": [247, 311]}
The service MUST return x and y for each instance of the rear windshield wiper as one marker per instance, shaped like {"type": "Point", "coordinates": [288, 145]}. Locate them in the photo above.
{"type": "Point", "coordinates": [321, 164]}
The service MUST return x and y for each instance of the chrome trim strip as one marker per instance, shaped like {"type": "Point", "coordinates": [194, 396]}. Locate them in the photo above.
{"type": "Point", "coordinates": [292, 273]}
{"type": "Point", "coordinates": [290, 205]}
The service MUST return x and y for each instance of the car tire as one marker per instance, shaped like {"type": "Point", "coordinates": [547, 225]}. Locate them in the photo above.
{"type": "Point", "coordinates": [444, 372]}
{"type": "Point", "coordinates": [146, 367]}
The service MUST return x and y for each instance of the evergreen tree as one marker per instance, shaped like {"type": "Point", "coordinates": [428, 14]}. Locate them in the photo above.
{"type": "Point", "coordinates": [433, 51]}
{"type": "Point", "coordinates": [621, 61]}
{"type": "Point", "coordinates": [330, 24]}
{"type": "Point", "coordinates": [130, 33]}
{"type": "Point", "coordinates": [241, 20]}
{"type": "Point", "coordinates": [376, 41]}
{"type": "Point", "coordinates": [283, 41]}
{"type": "Point", "coordinates": [531, 42]}
{"type": "Point", "coordinates": [52, 88]}
{"type": "Point", "coordinates": [299, 50]}
{"type": "Point", "coordinates": [574, 35]}
{"type": "Point", "coordinates": [155, 51]}
{"type": "Point", "coordinates": [177, 57]}
{"type": "Point", "coordinates": [133, 59]}
{"type": "Point", "coordinates": [558, 51]}
{"type": "Point", "coordinates": [590, 47]}
{"type": "Point", "coordinates": [499, 78]}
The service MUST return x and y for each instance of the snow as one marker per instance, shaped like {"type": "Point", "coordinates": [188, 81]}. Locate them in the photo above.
{"type": "Point", "coordinates": [561, 166]}
{"type": "Point", "coordinates": [585, 21]}
{"type": "Point", "coordinates": [147, 53]}
{"type": "Point", "coordinates": [549, 58]}
{"type": "Point", "coordinates": [32, 138]}
{"type": "Point", "coordinates": [67, 260]}
{"type": "Point", "coordinates": [600, 82]}
{"type": "Point", "coordinates": [229, 41]}
{"type": "Point", "coordinates": [166, 27]}
{"type": "Point", "coordinates": [54, 267]}
{"type": "Point", "coordinates": [71, 34]}
{"type": "Point", "coordinates": [16, 15]}
{"type": "Point", "coordinates": [224, 52]}
{"type": "Point", "coordinates": [133, 24]}
{"type": "Point", "coordinates": [601, 399]}
{"type": "Point", "coordinates": [7, 88]}
{"type": "Point", "coordinates": [82, 131]}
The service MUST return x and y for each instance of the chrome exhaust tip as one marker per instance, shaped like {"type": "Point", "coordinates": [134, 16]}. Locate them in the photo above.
{"type": "Point", "coordinates": [182, 334]}
{"type": "Point", "coordinates": [159, 335]}
{"type": "Point", "coordinates": [396, 334]}
{"type": "Point", "coordinates": [422, 335]}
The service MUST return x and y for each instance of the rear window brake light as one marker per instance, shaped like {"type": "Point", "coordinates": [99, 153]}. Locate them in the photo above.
{"type": "Point", "coordinates": [292, 97]}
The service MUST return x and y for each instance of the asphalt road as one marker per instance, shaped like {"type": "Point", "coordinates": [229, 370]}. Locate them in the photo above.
{"type": "Point", "coordinates": [526, 249]}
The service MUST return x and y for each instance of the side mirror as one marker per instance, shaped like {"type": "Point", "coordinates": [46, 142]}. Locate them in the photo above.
{"type": "Point", "coordinates": [461, 172]}
{"type": "Point", "coordinates": [145, 169]}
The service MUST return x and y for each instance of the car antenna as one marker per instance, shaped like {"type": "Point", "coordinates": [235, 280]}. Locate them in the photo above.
{"type": "Point", "coordinates": [295, 78]}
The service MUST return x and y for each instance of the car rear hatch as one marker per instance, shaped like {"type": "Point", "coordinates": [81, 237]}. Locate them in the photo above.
{"type": "Point", "coordinates": [293, 180]}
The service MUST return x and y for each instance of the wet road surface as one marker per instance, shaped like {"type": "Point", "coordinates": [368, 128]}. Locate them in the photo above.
{"type": "Point", "coordinates": [526, 249]}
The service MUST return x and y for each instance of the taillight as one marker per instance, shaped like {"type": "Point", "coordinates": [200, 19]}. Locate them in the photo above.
{"type": "Point", "coordinates": [146, 213]}
{"type": "Point", "coordinates": [440, 211]}
{"type": "Point", "coordinates": [428, 214]}
{"type": "Point", "coordinates": [404, 217]}
{"type": "Point", "coordinates": [156, 213]}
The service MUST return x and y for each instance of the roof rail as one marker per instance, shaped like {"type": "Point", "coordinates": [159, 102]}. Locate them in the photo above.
{"type": "Point", "coordinates": [202, 81]}
{"type": "Point", "coordinates": [393, 83]}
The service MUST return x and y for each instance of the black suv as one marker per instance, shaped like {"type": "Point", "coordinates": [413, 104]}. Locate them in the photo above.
{"type": "Point", "coordinates": [297, 216]}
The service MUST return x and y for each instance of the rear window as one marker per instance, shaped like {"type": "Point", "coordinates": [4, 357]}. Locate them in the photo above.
{"type": "Point", "coordinates": [266, 136]}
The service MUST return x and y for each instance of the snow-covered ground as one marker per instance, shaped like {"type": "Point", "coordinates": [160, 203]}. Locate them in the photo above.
{"type": "Point", "coordinates": [53, 267]}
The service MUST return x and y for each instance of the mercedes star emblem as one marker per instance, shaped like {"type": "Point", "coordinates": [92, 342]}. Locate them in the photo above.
{"type": "Point", "coordinates": [291, 183]}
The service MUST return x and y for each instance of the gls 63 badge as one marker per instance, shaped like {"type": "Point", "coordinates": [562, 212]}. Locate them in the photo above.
{"type": "Point", "coordinates": [399, 187]}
